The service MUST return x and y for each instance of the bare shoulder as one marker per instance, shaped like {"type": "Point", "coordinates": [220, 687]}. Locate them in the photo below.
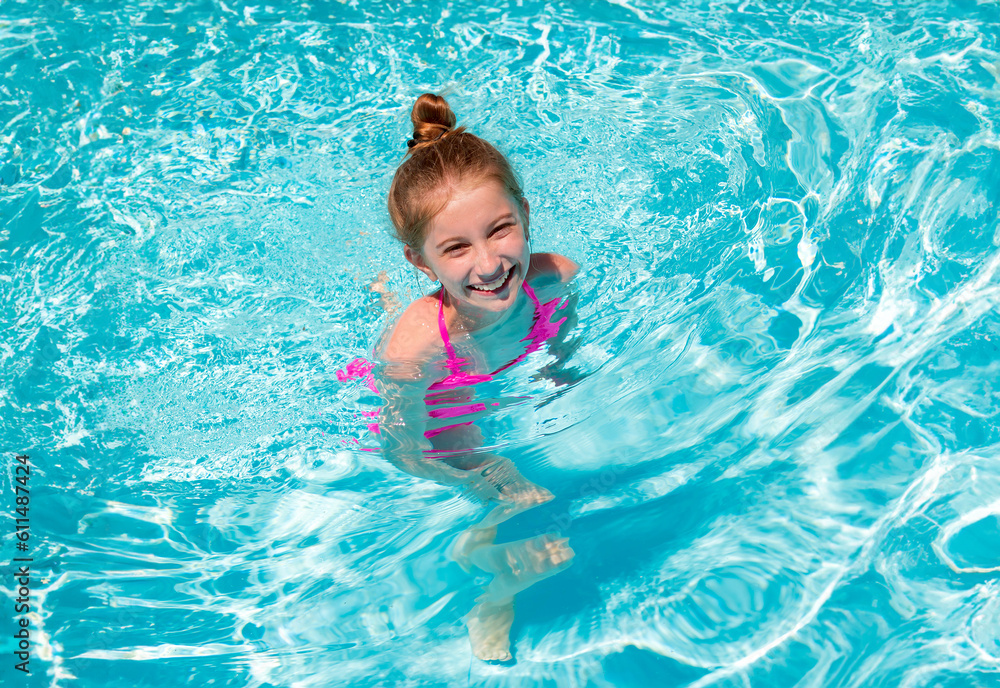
{"type": "Point", "coordinates": [552, 265]}
{"type": "Point", "coordinates": [414, 337]}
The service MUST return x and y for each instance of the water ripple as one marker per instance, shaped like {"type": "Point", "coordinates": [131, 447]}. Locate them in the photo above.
{"type": "Point", "coordinates": [772, 433]}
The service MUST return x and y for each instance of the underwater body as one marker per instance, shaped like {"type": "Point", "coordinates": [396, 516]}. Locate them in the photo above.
{"type": "Point", "coordinates": [772, 438]}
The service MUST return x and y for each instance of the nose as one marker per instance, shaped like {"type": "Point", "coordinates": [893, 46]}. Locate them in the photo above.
{"type": "Point", "coordinates": [488, 265]}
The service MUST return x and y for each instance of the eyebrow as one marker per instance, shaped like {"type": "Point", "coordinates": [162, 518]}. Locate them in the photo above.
{"type": "Point", "coordinates": [493, 225]}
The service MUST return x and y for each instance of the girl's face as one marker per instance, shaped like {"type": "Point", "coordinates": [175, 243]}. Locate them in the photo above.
{"type": "Point", "coordinates": [477, 246]}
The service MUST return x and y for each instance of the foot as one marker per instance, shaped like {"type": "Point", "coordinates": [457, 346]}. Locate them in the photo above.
{"type": "Point", "coordinates": [517, 565]}
{"type": "Point", "coordinates": [489, 630]}
{"type": "Point", "coordinates": [519, 497]}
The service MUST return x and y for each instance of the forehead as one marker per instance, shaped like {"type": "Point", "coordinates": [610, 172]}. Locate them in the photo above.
{"type": "Point", "coordinates": [470, 206]}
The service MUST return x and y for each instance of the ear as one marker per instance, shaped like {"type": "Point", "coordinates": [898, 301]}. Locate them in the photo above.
{"type": "Point", "coordinates": [418, 262]}
{"type": "Point", "coordinates": [524, 215]}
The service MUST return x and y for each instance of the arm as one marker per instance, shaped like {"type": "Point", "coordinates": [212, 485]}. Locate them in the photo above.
{"type": "Point", "coordinates": [451, 455]}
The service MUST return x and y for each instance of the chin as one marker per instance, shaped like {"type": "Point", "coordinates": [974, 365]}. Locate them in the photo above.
{"type": "Point", "coordinates": [492, 305]}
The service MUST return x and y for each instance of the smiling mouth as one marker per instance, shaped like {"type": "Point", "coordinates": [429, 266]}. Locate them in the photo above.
{"type": "Point", "coordinates": [497, 285]}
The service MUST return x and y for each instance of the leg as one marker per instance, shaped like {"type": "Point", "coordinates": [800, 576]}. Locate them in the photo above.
{"type": "Point", "coordinates": [515, 566]}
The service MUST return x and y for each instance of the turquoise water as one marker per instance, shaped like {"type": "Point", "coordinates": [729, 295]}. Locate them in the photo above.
{"type": "Point", "coordinates": [777, 462]}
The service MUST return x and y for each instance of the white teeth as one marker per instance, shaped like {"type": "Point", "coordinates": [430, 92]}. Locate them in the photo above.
{"type": "Point", "coordinates": [494, 285]}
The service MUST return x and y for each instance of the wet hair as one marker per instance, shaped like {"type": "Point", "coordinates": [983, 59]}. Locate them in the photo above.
{"type": "Point", "coordinates": [440, 159]}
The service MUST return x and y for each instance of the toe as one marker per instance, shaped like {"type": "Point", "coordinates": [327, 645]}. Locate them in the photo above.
{"type": "Point", "coordinates": [565, 555]}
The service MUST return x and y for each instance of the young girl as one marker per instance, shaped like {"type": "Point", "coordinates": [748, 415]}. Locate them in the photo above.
{"type": "Point", "coordinates": [458, 208]}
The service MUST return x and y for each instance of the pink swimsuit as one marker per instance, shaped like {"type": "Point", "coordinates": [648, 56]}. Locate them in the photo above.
{"type": "Point", "coordinates": [542, 329]}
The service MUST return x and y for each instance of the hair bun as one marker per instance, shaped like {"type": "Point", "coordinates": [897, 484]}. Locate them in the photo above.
{"type": "Point", "coordinates": [432, 118]}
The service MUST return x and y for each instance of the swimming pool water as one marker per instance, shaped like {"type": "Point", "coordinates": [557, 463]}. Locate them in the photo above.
{"type": "Point", "coordinates": [777, 459]}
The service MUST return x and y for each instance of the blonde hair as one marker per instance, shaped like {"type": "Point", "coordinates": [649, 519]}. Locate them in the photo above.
{"type": "Point", "coordinates": [440, 159]}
